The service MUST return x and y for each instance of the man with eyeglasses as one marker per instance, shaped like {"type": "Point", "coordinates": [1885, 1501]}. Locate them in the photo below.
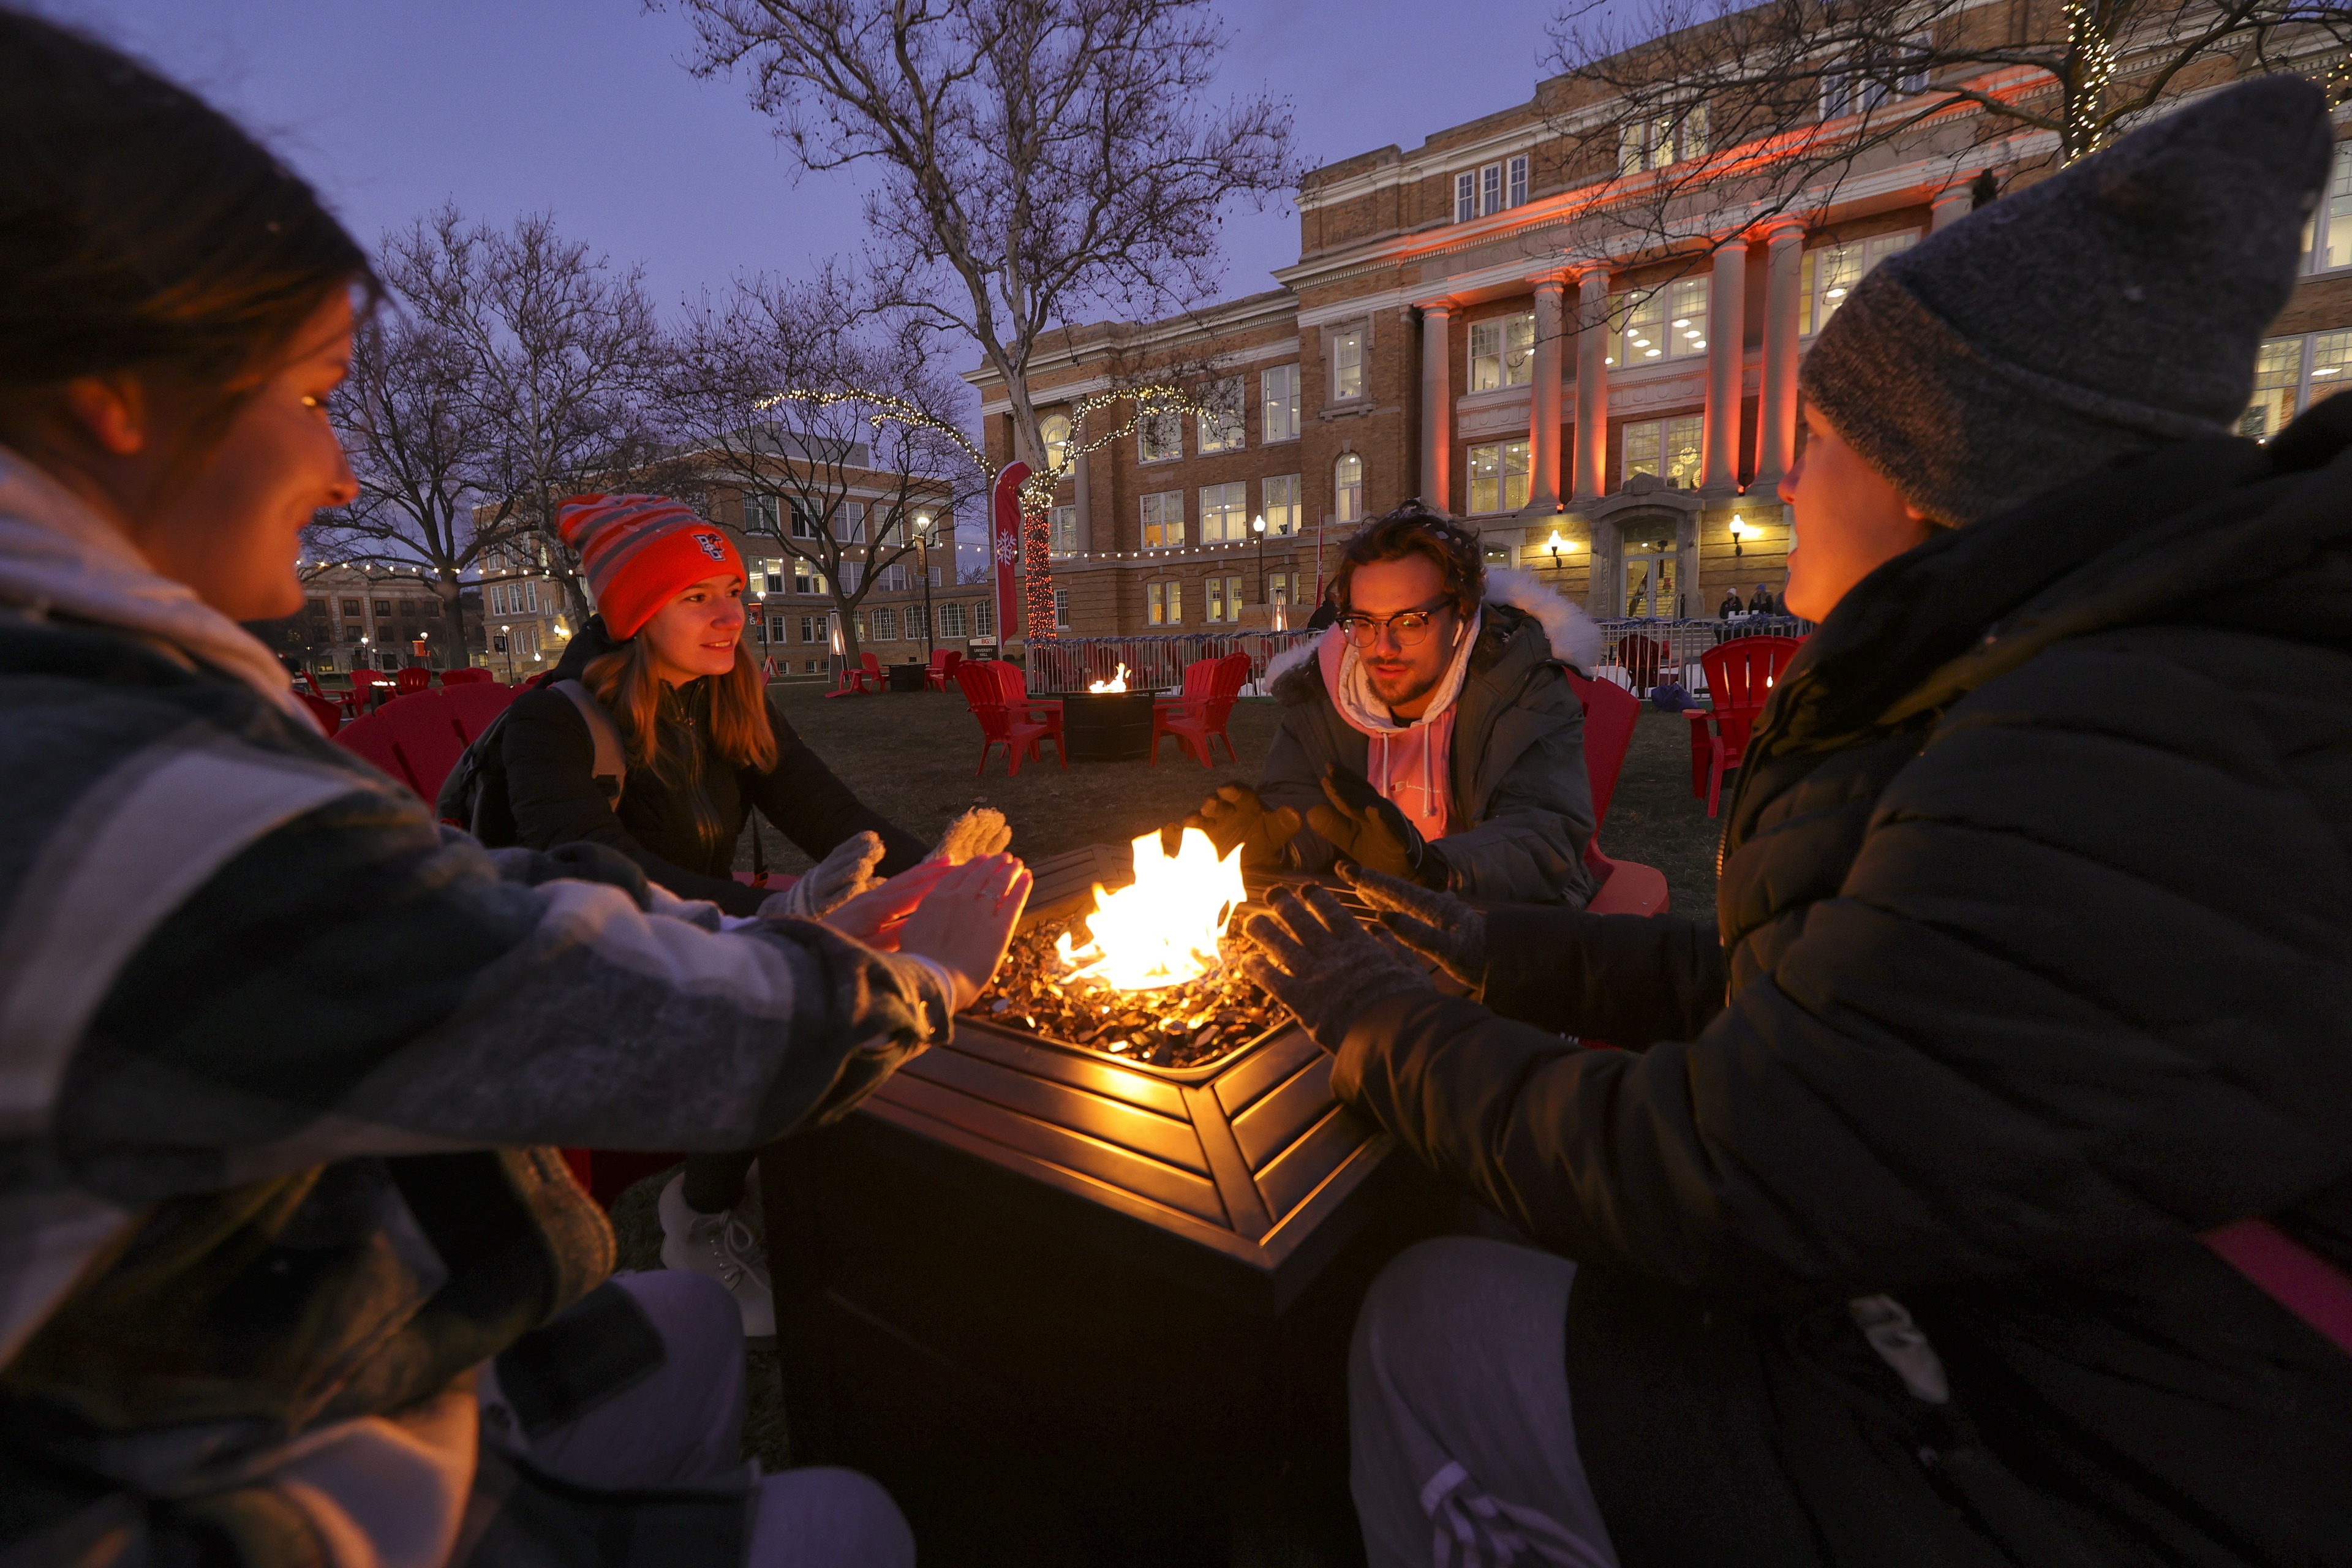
{"type": "Point", "coordinates": [1430, 733]}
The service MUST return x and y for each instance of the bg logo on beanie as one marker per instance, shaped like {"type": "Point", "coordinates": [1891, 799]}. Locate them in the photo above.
{"type": "Point", "coordinates": [641, 551]}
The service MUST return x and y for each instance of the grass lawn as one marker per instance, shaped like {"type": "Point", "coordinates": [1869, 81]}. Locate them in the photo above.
{"type": "Point", "coordinates": [910, 756]}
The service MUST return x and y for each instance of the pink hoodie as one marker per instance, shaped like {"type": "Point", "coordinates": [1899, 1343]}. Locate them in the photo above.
{"type": "Point", "coordinates": [1408, 761]}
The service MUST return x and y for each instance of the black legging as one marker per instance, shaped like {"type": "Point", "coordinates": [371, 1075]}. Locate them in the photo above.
{"type": "Point", "coordinates": [715, 1181]}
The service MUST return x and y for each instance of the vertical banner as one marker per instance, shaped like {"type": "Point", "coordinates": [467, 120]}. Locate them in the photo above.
{"type": "Point", "coordinates": [1004, 545]}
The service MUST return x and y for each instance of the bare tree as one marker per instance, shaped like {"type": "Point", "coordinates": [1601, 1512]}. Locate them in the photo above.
{"type": "Point", "coordinates": [838, 433]}
{"type": "Point", "coordinates": [558, 351]}
{"type": "Point", "coordinates": [422, 450]}
{"type": "Point", "coordinates": [1036, 157]}
{"type": "Point", "coordinates": [1696, 106]}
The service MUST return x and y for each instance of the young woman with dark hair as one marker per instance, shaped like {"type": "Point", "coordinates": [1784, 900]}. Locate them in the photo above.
{"type": "Point", "coordinates": [288, 1274]}
{"type": "Point", "coordinates": [664, 663]}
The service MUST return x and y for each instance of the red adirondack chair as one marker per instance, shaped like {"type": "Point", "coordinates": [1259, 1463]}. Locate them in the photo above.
{"type": "Point", "coordinates": [408, 682]}
{"type": "Point", "coordinates": [1627, 887]}
{"type": "Point", "coordinates": [865, 675]}
{"type": "Point", "coordinates": [1212, 685]}
{"type": "Point", "coordinates": [417, 739]}
{"type": "Point", "coordinates": [1045, 710]}
{"type": "Point", "coordinates": [365, 683]}
{"type": "Point", "coordinates": [472, 675]}
{"type": "Point", "coordinates": [1002, 722]}
{"type": "Point", "coordinates": [1739, 676]}
{"type": "Point", "coordinates": [1643, 658]}
{"type": "Point", "coordinates": [329, 713]}
{"type": "Point", "coordinates": [941, 670]}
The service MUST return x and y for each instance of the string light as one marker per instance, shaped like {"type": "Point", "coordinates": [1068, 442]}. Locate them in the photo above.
{"type": "Point", "coordinates": [2095, 58]}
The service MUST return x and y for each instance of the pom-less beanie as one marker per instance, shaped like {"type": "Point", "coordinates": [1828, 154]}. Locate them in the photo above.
{"type": "Point", "coordinates": [2115, 306]}
{"type": "Point", "coordinates": [641, 551]}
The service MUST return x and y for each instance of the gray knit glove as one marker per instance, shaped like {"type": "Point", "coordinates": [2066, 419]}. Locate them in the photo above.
{"type": "Point", "coordinates": [980, 832]}
{"type": "Point", "coordinates": [1323, 966]}
{"type": "Point", "coordinates": [1435, 925]}
{"type": "Point", "coordinates": [831, 881]}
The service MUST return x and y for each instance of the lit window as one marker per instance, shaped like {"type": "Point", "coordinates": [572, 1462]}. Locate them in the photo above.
{"type": "Point", "coordinates": [1348, 363]}
{"type": "Point", "coordinates": [1158, 436]}
{"type": "Point", "coordinates": [1226, 429]}
{"type": "Point", "coordinates": [1657, 141]}
{"type": "Point", "coordinates": [1665, 324]}
{"type": "Point", "coordinates": [2331, 365]}
{"type": "Point", "coordinates": [2327, 237]}
{"type": "Point", "coordinates": [1278, 403]}
{"type": "Point", "coordinates": [1348, 487]}
{"type": "Point", "coordinates": [1053, 430]}
{"type": "Point", "coordinates": [1502, 351]}
{"type": "Point", "coordinates": [1214, 609]}
{"type": "Point", "coordinates": [1063, 529]}
{"type": "Point", "coordinates": [1163, 604]}
{"type": "Point", "coordinates": [1225, 512]}
{"type": "Point", "coordinates": [1829, 273]}
{"type": "Point", "coordinates": [1498, 477]}
{"type": "Point", "coordinates": [1281, 496]}
{"type": "Point", "coordinates": [2277, 370]}
{"type": "Point", "coordinates": [1163, 520]}
{"type": "Point", "coordinates": [772, 574]}
{"type": "Point", "coordinates": [1668, 449]}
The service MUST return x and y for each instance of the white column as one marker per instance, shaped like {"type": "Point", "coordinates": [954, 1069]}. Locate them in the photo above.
{"type": "Point", "coordinates": [1591, 383]}
{"type": "Point", "coordinates": [1776, 412]}
{"type": "Point", "coordinates": [1436, 406]}
{"type": "Point", "coordinates": [1727, 331]}
{"type": "Point", "coordinates": [1543, 408]}
{"type": "Point", "coordinates": [1950, 206]}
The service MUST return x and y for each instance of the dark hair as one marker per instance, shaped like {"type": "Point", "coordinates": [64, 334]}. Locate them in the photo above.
{"type": "Point", "coordinates": [1413, 529]}
{"type": "Point", "coordinates": [141, 230]}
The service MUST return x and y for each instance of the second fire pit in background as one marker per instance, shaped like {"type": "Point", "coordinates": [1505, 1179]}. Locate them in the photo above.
{"type": "Point", "coordinates": [1106, 726]}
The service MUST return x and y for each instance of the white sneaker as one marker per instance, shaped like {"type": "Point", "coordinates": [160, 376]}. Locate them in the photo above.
{"type": "Point", "coordinates": [724, 1246]}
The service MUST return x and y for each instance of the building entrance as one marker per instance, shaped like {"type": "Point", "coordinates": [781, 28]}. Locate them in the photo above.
{"type": "Point", "coordinates": [1650, 588]}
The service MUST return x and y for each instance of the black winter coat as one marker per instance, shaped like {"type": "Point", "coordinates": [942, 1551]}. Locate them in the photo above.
{"type": "Point", "coordinates": [2033, 963]}
{"type": "Point", "coordinates": [682, 830]}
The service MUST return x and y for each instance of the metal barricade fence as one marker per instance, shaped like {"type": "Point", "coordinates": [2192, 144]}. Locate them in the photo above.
{"type": "Point", "coordinates": [1158, 663]}
{"type": "Point", "coordinates": [1640, 654]}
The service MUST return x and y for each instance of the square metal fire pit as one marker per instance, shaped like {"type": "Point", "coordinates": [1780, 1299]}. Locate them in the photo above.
{"type": "Point", "coordinates": [1075, 1309]}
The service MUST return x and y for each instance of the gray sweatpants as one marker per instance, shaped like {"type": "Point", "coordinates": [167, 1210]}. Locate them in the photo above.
{"type": "Point", "coordinates": [685, 1423]}
{"type": "Point", "coordinates": [1462, 1445]}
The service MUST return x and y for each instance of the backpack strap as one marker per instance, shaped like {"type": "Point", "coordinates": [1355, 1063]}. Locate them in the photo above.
{"type": "Point", "coordinates": [612, 764]}
{"type": "Point", "coordinates": [2293, 1275]}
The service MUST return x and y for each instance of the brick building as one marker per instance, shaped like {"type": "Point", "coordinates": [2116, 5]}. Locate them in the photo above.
{"type": "Point", "coordinates": [1452, 328]}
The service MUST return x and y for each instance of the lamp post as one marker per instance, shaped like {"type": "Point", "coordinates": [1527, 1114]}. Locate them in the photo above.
{"type": "Point", "coordinates": [923, 567]}
{"type": "Point", "coordinates": [1257, 526]}
{"type": "Point", "coordinates": [506, 645]}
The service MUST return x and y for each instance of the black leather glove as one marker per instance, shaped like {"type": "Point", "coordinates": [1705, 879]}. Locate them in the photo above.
{"type": "Point", "coordinates": [1435, 925]}
{"type": "Point", "coordinates": [1323, 966]}
{"type": "Point", "coordinates": [1367, 827]}
{"type": "Point", "coordinates": [1233, 815]}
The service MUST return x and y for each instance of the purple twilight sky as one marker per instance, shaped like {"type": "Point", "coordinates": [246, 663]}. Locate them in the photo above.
{"type": "Point", "coordinates": [581, 107]}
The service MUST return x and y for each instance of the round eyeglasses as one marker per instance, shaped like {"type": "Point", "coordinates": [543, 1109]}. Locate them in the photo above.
{"type": "Point", "coordinates": [1409, 627]}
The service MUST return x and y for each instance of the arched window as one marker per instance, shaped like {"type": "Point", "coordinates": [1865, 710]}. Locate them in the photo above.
{"type": "Point", "coordinates": [1054, 431]}
{"type": "Point", "coordinates": [1348, 487]}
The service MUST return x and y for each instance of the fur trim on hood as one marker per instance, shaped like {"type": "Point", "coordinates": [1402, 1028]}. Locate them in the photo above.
{"type": "Point", "coordinates": [1574, 636]}
{"type": "Point", "coordinates": [1575, 639]}
{"type": "Point", "coordinates": [57, 555]}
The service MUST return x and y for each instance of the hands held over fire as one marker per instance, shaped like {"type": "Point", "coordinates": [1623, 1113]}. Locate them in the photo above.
{"type": "Point", "coordinates": [964, 922]}
{"type": "Point", "coordinates": [1323, 966]}
{"type": "Point", "coordinates": [1367, 827]}
{"type": "Point", "coordinates": [831, 881]}
{"type": "Point", "coordinates": [1436, 925]}
{"type": "Point", "coordinates": [1235, 814]}
{"type": "Point", "coordinates": [980, 831]}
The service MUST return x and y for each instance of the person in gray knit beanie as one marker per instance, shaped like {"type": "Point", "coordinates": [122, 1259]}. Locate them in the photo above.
{"type": "Point", "coordinates": [2112, 308]}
